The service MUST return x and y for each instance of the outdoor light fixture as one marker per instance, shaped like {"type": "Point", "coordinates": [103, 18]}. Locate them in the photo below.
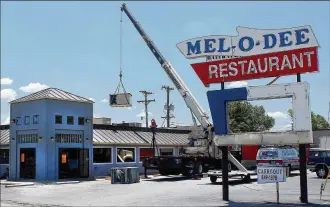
{"type": "Point", "coordinates": [13, 138]}
{"type": "Point", "coordinates": [40, 138]}
{"type": "Point", "coordinates": [52, 138]}
{"type": "Point", "coordinates": [88, 120]}
{"type": "Point", "coordinates": [13, 121]}
{"type": "Point", "coordinates": [86, 139]}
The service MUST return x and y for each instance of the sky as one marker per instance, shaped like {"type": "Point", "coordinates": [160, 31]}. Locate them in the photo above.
{"type": "Point", "coordinates": [74, 46]}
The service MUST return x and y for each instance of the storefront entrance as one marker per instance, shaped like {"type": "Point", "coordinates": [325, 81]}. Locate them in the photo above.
{"type": "Point", "coordinates": [73, 163]}
{"type": "Point", "coordinates": [27, 163]}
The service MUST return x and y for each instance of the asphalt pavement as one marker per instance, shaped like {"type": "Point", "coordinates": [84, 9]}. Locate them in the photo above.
{"type": "Point", "coordinates": [164, 191]}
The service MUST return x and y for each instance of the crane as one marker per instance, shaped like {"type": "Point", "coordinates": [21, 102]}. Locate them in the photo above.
{"type": "Point", "coordinates": [184, 91]}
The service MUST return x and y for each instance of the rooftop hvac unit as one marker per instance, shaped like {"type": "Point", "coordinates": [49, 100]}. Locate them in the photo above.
{"type": "Point", "coordinates": [121, 100]}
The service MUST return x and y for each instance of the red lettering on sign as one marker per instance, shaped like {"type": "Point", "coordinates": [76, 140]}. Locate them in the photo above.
{"type": "Point", "coordinates": [258, 66]}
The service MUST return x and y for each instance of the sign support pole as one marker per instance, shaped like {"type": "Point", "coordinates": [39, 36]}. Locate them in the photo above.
{"type": "Point", "coordinates": [277, 192]}
{"type": "Point", "coordinates": [224, 164]}
{"type": "Point", "coordinates": [303, 169]}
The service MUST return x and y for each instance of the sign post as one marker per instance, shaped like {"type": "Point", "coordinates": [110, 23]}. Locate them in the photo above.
{"type": "Point", "coordinates": [273, 174]}
{"type": "Point", "coordinates": [277, 193]}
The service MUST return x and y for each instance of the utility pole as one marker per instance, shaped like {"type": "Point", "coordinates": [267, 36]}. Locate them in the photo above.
{"type": "Point", "coordinates": [146, 102]}
{"type": "Point", "coordinates": [168, 90]}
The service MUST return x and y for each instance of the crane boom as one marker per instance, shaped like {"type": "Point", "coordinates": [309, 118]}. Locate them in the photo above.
{"type": "Point", "coordinates": [191, 102]}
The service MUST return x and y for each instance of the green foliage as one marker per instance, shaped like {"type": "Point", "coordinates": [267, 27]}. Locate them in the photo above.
{"type": "Point", "coordinates": [318, 121]}
{"type": "Point", "coordinates": [245, 117]}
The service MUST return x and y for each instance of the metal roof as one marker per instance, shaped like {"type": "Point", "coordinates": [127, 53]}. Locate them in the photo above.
{"type": "Point", "coordinates": [101, 136]}
{"type": "Point", "coordinates": [165, 138]}
{"type": "Point", "coordinates": [52, 93]}
{"type": "Point", "coordinates": [123, 137]}
{"type": "Point", "coordinates": [4, 137]}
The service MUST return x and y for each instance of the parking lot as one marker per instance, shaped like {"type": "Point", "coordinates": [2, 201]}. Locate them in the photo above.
{"type": "Point", "coordinates": [163, 191]}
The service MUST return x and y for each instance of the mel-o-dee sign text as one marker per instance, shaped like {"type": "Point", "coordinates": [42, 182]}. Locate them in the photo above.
{"type": "Point", "coordinates": [256, 53]}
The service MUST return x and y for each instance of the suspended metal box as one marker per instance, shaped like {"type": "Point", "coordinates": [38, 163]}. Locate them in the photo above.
{"type": "Point", "coordinates": [125, 175]}
{"type": "Point", "coordinates": [121, 100]}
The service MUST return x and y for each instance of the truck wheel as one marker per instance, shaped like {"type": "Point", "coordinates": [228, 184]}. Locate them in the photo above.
{"type": "Point", "coordinates": [213, 179]}
{"type": "Point", "coordinates": [199, 168]}
{"type": "Point", "coordinates": [322, 171]}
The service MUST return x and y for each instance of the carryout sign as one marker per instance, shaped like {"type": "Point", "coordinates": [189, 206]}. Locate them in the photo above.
{"type": "Point", "coordinates": [249, 42]}
{"type": "Point", "coordinates": [271, 174]}
{"type": "Point", "coordinates": [258, 66]}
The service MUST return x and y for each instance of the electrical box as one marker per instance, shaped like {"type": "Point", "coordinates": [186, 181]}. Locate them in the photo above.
{"type": "Point", "coordinates": [121, 100]}
{"type": "Point", "coordinates": [125, 175]}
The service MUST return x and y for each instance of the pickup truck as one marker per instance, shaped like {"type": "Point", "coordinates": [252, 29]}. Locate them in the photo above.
{"type": "Point", "coordinates": [319, 162]}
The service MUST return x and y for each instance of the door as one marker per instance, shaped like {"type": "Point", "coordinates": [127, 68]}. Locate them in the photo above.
{"type": "Point", "coordinates": [68, 163]}
{"type": "Point", "coordinates": [84, 163]}
{"type": "Point", "coordinates": [73, 163]}
{"type": "Point", "coordinates": [28, 163]}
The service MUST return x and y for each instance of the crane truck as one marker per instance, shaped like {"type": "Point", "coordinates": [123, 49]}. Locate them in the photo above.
{"type": "Point", "coordinates": [203, 155]}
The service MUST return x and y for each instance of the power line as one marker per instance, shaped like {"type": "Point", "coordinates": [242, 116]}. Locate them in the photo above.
{"type": "Point", "coordinates": [146, 102]}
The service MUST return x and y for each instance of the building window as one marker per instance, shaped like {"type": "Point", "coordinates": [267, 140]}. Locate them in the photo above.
{"type": "Point", "coordinates": [27, 120]}
{"type": "Point", "coordinates": [81, 120]}
{"type": "Point", "coordinates": [4, 156]}
{"type": "Point", "coordinates": [58, 119]}
{"type": "Point", "coordinates": [69, 120]}
{"type": "Point", "coordinates": [102, 155]}
{"type": "Point", "coordinates": [35, 119]}
{"type": "Point", "coordinates": [166, 151]}
{"type": "Point", "coordinates": [18, 121]}
{"type": "Point", "coordinates": [125, 155]}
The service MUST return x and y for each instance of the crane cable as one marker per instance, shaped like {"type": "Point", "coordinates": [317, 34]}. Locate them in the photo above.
{"type": "Point", "coordinates": [120, 84]}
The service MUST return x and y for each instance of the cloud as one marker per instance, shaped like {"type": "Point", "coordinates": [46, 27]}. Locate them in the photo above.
{"type": "Point", "coordinates": [104, 101]}
{"type": "Point", "coordinates": [5, 121]}
{"type": "Point", "coordinates": [92, 99]}
{"type": "Point", "coordinates": [237, 84]}
{"type": "Point", "coordinates": [96, 116]}
{"type": "Point", "coordinates": [142, 114]}
{"type": "Point", "coordinates": [133, 107]}
{"type": "Point", "coordinates": [278, 115]}
{"type": "Point", "coordinates": [281, 127]}
{"type": "Point", "coordinates": [6, 81]}
{"type": "Point", "coordinates": [33, 87]}
{"type": "Point", "coordinates": [8, 94]}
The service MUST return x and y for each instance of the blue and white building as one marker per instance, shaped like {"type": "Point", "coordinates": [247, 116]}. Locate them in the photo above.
{"type": "Point", "coordinates": [52, 136]}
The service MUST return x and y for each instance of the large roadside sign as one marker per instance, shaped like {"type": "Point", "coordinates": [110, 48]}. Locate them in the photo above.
{"type": "Point", "coordinates": [255, 53]}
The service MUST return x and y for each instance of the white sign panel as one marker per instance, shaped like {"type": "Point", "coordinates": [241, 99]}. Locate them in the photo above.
{"type": "Point", "coordinates": [271, 174]}
{"type": "Point", "coordinates": [249, 42]}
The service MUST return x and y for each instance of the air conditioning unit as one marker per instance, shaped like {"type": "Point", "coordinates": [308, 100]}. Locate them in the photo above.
{"type": "Point", "coordinates": [125, 175]}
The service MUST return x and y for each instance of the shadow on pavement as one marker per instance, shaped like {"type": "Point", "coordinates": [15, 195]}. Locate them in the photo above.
{"type": "Point", "coordinates": [249, 204]}
{"type": "Point", "coordinates": [231, 182]}
{"type": "Point", "coordinates": [168, 179]}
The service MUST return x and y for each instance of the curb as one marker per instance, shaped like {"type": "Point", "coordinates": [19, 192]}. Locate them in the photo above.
{"type": "Point", "coordinates": [67, 182]}
{"type": "Point", "coordinates": [18, 185]}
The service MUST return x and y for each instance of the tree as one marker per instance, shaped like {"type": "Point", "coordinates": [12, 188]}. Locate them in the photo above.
{"type": "Point", "coordinates": [318, 121]}
{"type": "Point", "coordinates": [245, 117]}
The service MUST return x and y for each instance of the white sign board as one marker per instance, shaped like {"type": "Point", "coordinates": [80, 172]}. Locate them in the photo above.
{"type": "Point", "coordinates": [250, 41]}
{"type": "Point", "coordinates": [271, 174]}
